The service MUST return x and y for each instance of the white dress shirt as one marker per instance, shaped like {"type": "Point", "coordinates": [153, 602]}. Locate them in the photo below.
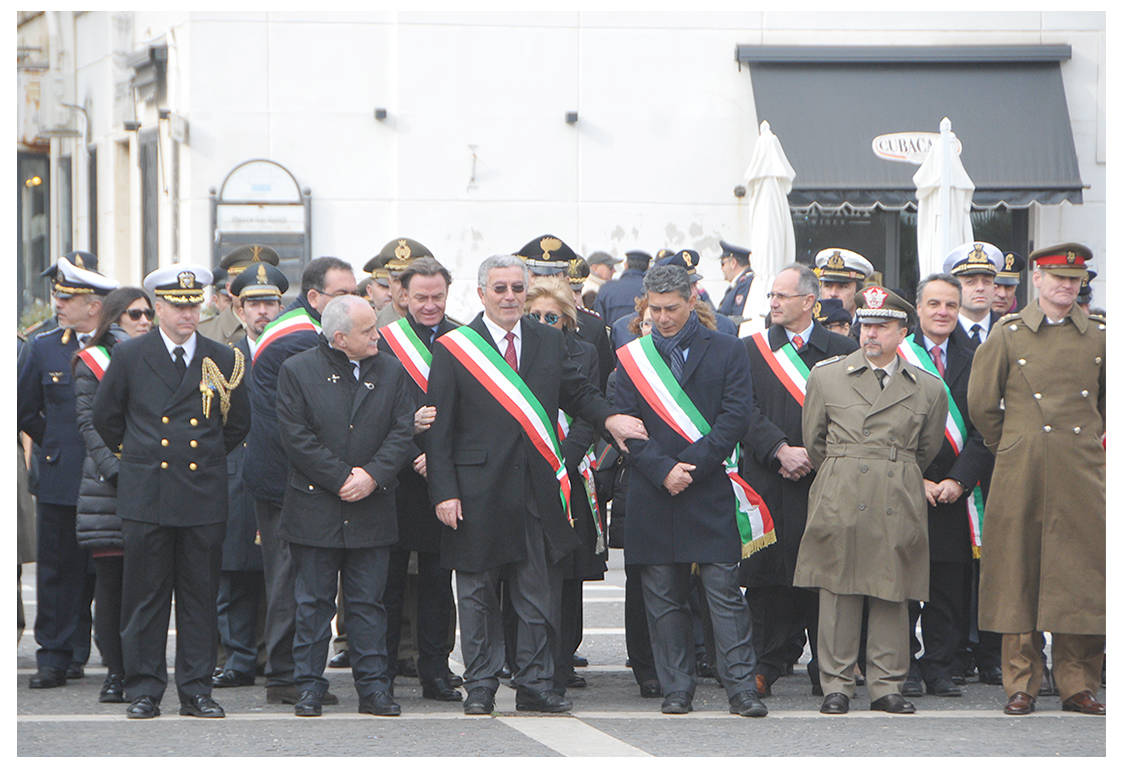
{"type": "Point", "coordinates": [498, 333]}
{"type": "Point", "coordinates": [188, 347]}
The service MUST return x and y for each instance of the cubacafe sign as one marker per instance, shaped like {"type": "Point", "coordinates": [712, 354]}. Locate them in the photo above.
{"type": "Point", "coordinates": [908, 147]}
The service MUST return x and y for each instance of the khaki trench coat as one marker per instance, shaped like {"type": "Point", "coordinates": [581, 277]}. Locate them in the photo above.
{"type": "Point", "coordinates": [866, 528]}
{"type": "Point", "coordinates": [1044, 532]}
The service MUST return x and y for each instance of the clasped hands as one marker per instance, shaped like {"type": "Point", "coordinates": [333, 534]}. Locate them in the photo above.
{"type": "Point", "coordinates": [358, 485]}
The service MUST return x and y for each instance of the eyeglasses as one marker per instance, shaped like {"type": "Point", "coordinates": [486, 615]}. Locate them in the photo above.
{"type": "Point", "coordinates": [784, 296]}
{"type": "Point", "coordinates": [136, 314]}
{"type": "Point", "coordinates": [549, 318]}
{"type": "Point", "coordinates": [500, 288]}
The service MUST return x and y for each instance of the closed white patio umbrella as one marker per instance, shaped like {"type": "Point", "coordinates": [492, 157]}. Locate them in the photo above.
{"type": "Point", "coordinates": [771, 232]}
{"type": "Point", "coordinates": [943, 193]}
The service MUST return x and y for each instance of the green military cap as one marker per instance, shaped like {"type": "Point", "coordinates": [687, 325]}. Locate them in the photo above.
{"type": "Point", "coordinates": [877, 304]}
{"type": "Point", "coordinates": [1063, 260]}
{"type": "Point", "coordinates": [1012, 265]}
{"type": "Point", "coordinates": [245, 256]}
{"type": "Point", "coordinates": [264, 282]}
{"type": "Point", "coordinates": [396, 255]}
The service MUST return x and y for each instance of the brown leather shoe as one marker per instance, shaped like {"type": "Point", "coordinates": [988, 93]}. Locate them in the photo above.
{"type": "Point", "coordinates": [763, 690]}
{"type": "Point", "coordinates": [1084, 702]}
{"type": "Point", "coordinates": [1020, 703]}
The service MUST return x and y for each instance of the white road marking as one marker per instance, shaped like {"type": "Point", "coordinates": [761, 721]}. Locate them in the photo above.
{"type": "Point", "coordinates": [570, 737]}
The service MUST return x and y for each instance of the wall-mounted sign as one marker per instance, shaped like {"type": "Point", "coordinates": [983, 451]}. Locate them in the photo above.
{"type": "Point", "coordinates": [243, 217]}
{"type": "Point", "coordinates": [907, 147]}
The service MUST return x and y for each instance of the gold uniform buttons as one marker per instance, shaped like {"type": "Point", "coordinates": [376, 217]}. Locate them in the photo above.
{"type": "Point", "coordinates": [1037, 395]}
{"type": "Point", "coordinates": [163, 465]}
{"type": "Point", "coordinates": [194, 422]}
{"type": "Point", "coordinates": [1077, 430]}
{"type": "Point", "coordinates": [311, 487]}
{"type": "Point", "coordinates": [1047, 427]}
{"type": "Point", "coordinates": [1084, 393]}
{"type": "Point", "coordinates": [1021, 361]}
{"type": "Point", "coordinates": [164, 442]}
{"type": "Point", "coordinates": [194, 443]}
{"type": "Point", "coordinates": [192, 466]}
{"type": "Point", "coordinates": [1098, 360]}
{"type": "Point", "coordinates": [165, 419]}
{"type": "Point", "coordinates": [1012, 326]}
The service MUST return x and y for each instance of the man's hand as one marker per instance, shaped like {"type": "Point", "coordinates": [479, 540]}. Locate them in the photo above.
{"type": "Point", "coordinates": [794, 463]}
{"type": "Point", "coordinates": [624, 427]}
{"type": "Point", "coordinates": [423, 418]}
{"type": "Point", "coordinates": [358, 486]}
{"type": "Point", "coordinates": [949, 491]}
{"type": "Point", "coordinates": [679, 478]}
{"type": "Point", "coordinates": [931, 491]}
{"type": "Point", "coordinates": [420, 466]}
{"type": "Point", "coordinates": [449, 512]}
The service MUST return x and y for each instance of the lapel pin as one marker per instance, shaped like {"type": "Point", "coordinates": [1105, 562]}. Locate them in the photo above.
{"type": "Point", "coordinates": [333, 378]}
{"type": "Point", "coordinates": [368, 385]}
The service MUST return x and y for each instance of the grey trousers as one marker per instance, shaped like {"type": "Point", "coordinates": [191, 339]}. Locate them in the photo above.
{"type": "Point", "coordinates": [839, 636]}
{"type": "Point", "coordinates": [280, 613]}
{"type": "Point", "coordinates": [535, 591]}
{"type": "Point", "coordinates": [666, 590]}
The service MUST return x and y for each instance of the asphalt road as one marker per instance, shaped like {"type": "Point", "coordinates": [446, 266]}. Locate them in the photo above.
{"type": "Point", "coordinates": [609, 718]}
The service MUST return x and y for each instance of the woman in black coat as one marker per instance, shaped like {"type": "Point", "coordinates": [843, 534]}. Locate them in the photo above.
{"type": "Point", "coordinates": [125, 313]}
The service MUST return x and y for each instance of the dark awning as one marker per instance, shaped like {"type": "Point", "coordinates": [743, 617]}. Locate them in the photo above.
{"type": "Point", "coordinates": [1006, 103]}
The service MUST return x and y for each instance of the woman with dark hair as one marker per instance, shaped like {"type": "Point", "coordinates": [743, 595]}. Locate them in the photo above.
{"type": "Point", "coordinates": [125, 313]}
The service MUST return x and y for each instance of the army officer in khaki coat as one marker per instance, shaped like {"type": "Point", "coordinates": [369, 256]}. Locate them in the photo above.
{"type": "Point", "coordinates": [1044, 537]}
{"type": "Point", "coordinates": [872, 422]}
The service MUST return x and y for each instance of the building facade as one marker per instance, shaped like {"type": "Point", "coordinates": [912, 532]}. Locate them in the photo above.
{"type": "Point", "coordinates": [161, 137]}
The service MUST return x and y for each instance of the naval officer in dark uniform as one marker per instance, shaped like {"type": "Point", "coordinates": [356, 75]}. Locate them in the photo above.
{"type": "Point", "coordinates": [736, 266]}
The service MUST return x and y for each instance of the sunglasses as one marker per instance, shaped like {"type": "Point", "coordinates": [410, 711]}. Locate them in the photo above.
{"type": "Point", "coordinates": [549, 318]}
{"type": "Point", "coordinates": [500, 288]}
{"type": "Point", "coordinates": [136, 314]}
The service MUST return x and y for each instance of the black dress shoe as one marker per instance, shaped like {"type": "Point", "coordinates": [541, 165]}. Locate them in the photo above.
{"type": "Point", "coordinates": [308, 705]}
{"type": "Point", "coordinates": [705, 669]}
{"type": "Point", "coordinates": [47, 677]}
{"type": "Point", "coordinates": [989, 675]}
{"type": "Point", "coordinates": [747, 704]}
{"type": "Point", "coordinates": [913, 686]}
{"type": "Point", "coordinates": [231, 678]}
{"type": "Point", "coordinates": [576, 681]}
{"type": "Point", "coordinates": [942, 687]}
{"type": "Point", "coordinates": [677, 703]}
{"type": "Point", "coordinates": [834, 704]}
{"type": "Point", "coordinates": [1048, 684]}
{"type": "Point", "coordinates": [957, 678]}
{"type": "Point", "coordinates": [200, 705]}
{"type": "Point", "coordinates": [290, 694]}
{"type": "Point", "coordinates": [527, 700]}
{"type": "Point", "coordinates": [340, 660]}
{"type": "Point", "coordinates": [893, 704]}
{"type": "Point", "coordinates": [75, 671]}
{"type": "Point", "coordinates": [406, 668]}
{"type": "Point", "coordinates": [453, 679]}
{"type": "Point", "coordinates": [112, 690]}
{"type": "Point", "coordinates": [650, 689]}
{"type": "Point", "coordinates": [142, 708]}
{"type": "Point", "coordinates": [504, 673]}
{"type": "Point", "coordinates": [480, 701]}
{"type": "Point", "coordinates": [379, 703]}
{"type": "Point", "coordinates": [579, 661]}
{"type": "Point", "coordinates": [439, 689]}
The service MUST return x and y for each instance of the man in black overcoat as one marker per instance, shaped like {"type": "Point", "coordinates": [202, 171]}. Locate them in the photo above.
{"type": "Point", "coordinates": [775, 464]}
{"type": "Point", "coordinates": [345, 414]}
{"type": "Point", "coordinates": [173, 402]}
{"type": "Point", "coordinates": [497, 494]}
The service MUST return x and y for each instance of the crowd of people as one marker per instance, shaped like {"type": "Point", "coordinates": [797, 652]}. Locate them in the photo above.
{"type": "Point", "coordinates": [916, 491]}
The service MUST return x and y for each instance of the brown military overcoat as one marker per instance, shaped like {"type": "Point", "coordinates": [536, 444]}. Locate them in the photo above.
{"type": "Point", "coordinates": [866, 528]}
{"type": "Point", "coordinates": [225, 327]}
{"type": "Point", "coordinates": [1044, 532]}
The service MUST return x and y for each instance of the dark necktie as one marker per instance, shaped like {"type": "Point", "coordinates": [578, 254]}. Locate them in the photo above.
{"type": "Point", "coordinates": [798, 342]}
{"type": "Point", "coordinates": [976, 333]}
{"type": "Point", "coordinates": [677, 363]}
{"type": "Point", "coordinates": [180, 362]}
{"type": "Point", "coordinates": [937, 356]}
{"type": "Point", "coordinates": [83, 339]}
{"type": "Point", "coordinates": [511, 354]}
{"type": "Point", "coordinates": [880, 373]}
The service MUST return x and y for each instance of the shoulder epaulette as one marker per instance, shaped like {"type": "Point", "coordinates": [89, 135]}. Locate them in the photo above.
{"type": "Point", "coordinates": [1008, 318]}
{"type": "Point", "coordinates": [1097, 317]}
{"type": "Point", "coordinates": [829, 360]}
{"type": "Point", "coordinates": [588, 311]}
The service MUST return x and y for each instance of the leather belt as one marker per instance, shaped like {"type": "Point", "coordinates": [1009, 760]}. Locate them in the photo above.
{"type": "Point", "coordinates": [885, 452]}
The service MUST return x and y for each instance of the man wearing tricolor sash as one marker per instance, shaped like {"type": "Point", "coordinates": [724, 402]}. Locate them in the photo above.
{"type": "Point", "coordinates": [872, 423]}
{"type": "Point", "coordinates": [266, 465]}
{"type": "Point", "coordinates": [498, 481]}
{"type": "Point", "coordinates": [774, 462]}
{"type": "Point", "coordinates": [686, 504]}
{"type": "Point", "coordinates": [951, 484]}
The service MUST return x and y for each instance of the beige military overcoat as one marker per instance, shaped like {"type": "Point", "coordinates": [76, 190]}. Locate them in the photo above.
{"type": "Point", "coordinates": [1044, 532]}
{"type": "Point", "coordinates": [225, 327]}
{"type": "Point", "coordinates": [866, 528]}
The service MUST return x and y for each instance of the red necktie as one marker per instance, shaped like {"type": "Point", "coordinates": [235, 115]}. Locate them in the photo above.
{"type": "Point", "coordinates": [798, 342]}
{"type": "Point", "coordinates": [511, 354]}
{"type": "Point", "coordinates": [937, 356]}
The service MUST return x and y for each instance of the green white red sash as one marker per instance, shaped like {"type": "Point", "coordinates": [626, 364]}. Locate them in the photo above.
{"type": "Point", "coordinates": [658, 387]}
{"type": "Point", "coordinates": [485, 364]}
{"type": "Point", "coordinates": [97, 358]}
{"type": "Point", "coordinates": [586, 468]}
{"type": "Point", "coordinates": [786, 365]}
{"type": "Point", "coordinates": [296, 319]}
{"type": "Point", "coordinates": [410, 350]}
{"type": "Point", "coordinates": [955, 432]}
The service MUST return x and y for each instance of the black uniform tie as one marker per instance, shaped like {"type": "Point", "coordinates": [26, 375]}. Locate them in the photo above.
{"type": "Point", "coordinates": [976, 333]}
{"type": "Point", "coordinates": [880, 373]}
{"type": "Point", "coordinates": [180, 363]}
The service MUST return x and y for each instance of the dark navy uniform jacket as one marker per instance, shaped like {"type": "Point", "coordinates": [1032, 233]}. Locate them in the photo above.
{"type": "Point", "coordinates": [617, 297]}
{"type": "Point", "coordinates": [239, 552]}
{"type": "Point", "coordinates": [732, 305]}
{"type": "Point", "coordinates": [45, 404]}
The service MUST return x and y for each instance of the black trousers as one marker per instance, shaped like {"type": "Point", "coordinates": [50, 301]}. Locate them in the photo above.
{"type": "Point", "coordinates": [317, 570]}
{"type": "Point", "coordinates": [240, 593]}
{"type": "Point", "coordinates": [62, 588]}
{"type": "Point", "coordinates": [159, 561]}
{"type": "Point", "coordinates": [780, 613]}
{"type": "Point", "coordinates": [435, 608]}
{"type": "Point", "coordinates": [943, 620]}
{"type": "Point", "coordinates": [636, 632]}
{"type": "Point", "coordinates": [280, 613]}
{"type": "Point", "coordinates": [110, 572]}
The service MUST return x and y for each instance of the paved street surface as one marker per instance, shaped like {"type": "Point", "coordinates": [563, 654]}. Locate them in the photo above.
{"type": "Point", "coordinates": [608, 719]}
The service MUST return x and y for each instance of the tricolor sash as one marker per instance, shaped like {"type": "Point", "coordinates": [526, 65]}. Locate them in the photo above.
{"type": "Point", "coordinates": [586, 468]}
{"type": "Point", "coordinates": [485, 364]}
{"type": "Point", "coordinates": [97, 358]}
{"type": "Point", "coordinates": [410, 350]}
{"type": "Point", "coordinates": [658, 387]}
{"type": "Point", "coordinates": [787, 366]}
{"type": "Point", "coordinates": [296, 319]}
{"type": "Point", "coordinates": [955, 432]}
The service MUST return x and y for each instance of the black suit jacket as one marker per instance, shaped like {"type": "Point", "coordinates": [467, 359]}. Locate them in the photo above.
{"type": "Point", "coordinates": [947, 524]}
{"type": "Point", "coordinates": [777, 418]}
{"type": "Point", "coordinates": [479, 454]}
{"type": "Point", "coordinates": [140, 404]}
{"type": "Point", "coordinates": [239, 550]}
{"type": "Point", "coordinates": [328, 423]}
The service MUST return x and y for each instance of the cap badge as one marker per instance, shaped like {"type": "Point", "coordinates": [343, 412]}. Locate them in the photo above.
{"type": "Point", "coordinates": [818, 311]}
{"type": "Point", "coordinates": [835, 261]}
{"type": "Point", "coordinates": [1071, 257]}
{"type": "Point", "coordinates": [874, 297]}
{"type": "Point", "coordinates": [977, 255]}
{"type": "Point", "coordinates": [402, 251]}
{"type": "Point", "coordinates": [256, 252]}
{"type": "Point", "coordinates": [688, 258]}
{"type": "Point", "coordinates": [78, 261]}
{"type": "Point", "coordinates": [186, 279]}
{"type": "Point", "coordinates": [262, 276]}
{"type": "Point", "coordinates": [548, 244]}
{"type": "Point", "coordinates": [1009, 262]}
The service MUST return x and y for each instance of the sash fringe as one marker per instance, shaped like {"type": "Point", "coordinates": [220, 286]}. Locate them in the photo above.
{"type": "Point", "coordinates": [749, 548]}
